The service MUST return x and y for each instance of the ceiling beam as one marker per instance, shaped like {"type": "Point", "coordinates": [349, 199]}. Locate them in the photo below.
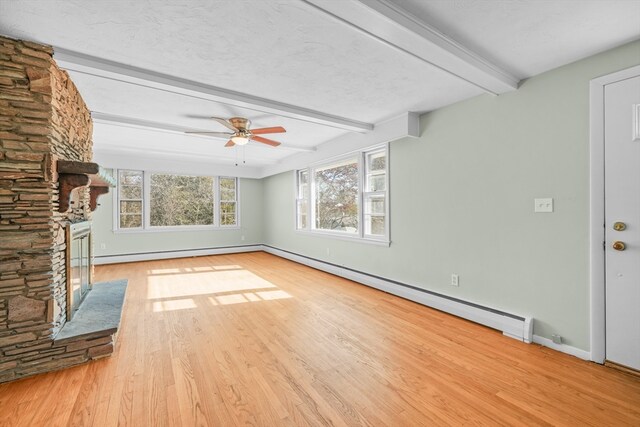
{"type": "Point", "coordinates": [113, 119]}
{"type": "Point", "coordinates": [397, 28]}
{"type": "Point", "coordinates": [91, 65]}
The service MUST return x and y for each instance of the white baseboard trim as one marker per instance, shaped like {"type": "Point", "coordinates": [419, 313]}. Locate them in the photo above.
{"type": "Point", "coordinates": [517, 327]}
{"type": "Point", "coordinates": [150, 256]}
{"type": "Point", "coordinates": [564, 348]}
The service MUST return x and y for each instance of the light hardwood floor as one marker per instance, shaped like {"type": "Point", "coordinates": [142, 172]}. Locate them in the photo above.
{"type": "Point", "coordinates": [253, 339]}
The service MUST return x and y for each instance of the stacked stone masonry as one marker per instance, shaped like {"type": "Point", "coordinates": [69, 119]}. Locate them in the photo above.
{"type": "Point", "coordinates": [42, 119]}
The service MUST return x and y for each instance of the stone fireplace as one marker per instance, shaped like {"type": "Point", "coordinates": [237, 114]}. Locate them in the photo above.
{"type": "Point", "coordinates": [44, 126]}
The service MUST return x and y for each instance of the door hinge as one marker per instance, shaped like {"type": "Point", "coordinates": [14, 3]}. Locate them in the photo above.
{"type": "Point", "coordinates": [604, 245]}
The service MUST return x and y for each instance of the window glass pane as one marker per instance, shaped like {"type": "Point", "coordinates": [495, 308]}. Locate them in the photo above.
{"type": "Point", "coordinates": [228, 189]}
{"type": "Point", "coordinates": [377, 161]}
{"type": "Point", "coordinates": [336, 188]}
{"type": "Point", "coordinates": [228, 207]}
{"type": "Point", "coordinates": [228, 219]}
{"type": "Point", "coordinates": [374, 225]}
{"type": "Point", "coordinates": [228, 213]}
{"type": "Point", "coordinates": [374, 205]}
{"type": "Point", "coordinates": [130, 221]}
{"type": "Point", "coordinates": [130, 178]}
{"type": "Point", "coordinates": [181, 200]}
{"type": "Point", "coordinates": [303, 184]}
{"type": "Point", "coordinates": [131, 207]}
{"type": "Point", "coordinates": [131, 192]}
{"type": "Point", "coordinates": [302, 209]}
{"type": "Point", "coordinates": [376, 182]}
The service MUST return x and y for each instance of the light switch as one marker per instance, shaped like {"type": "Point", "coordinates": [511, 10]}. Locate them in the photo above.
{"type": "Point", "coordinates": [543, 205]}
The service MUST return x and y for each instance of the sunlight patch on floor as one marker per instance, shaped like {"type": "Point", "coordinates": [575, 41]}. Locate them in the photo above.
{"type": "Point", "coordinates": [271, 295]}
{"type": "Point", "coordinates": [204, 283]}
{"type": "Point", "coordinates": [175, 304]}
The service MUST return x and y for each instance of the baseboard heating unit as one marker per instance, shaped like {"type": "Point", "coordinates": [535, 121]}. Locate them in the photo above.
{"type": "Point", "coordinates": [511, 325]}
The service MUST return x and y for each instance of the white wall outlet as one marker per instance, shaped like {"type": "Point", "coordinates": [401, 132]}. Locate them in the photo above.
{"type": "Point", "coordinates": [242, 238]}
{"type": "Point", "coordinates": [543, 205]}
{"type": "Point", "coordinates": [103, 246]}
{"type": "Point", "coordinates": [455, 280]}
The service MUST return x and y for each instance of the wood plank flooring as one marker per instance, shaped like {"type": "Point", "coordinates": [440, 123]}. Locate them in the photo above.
{"type": "Point", "coordinates": [253, 339]}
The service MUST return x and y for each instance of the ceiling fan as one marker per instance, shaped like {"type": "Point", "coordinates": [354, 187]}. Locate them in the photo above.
{"type": "Point", "coordinates": [242, 133]}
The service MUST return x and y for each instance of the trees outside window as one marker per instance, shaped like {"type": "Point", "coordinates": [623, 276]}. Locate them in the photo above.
{"type": "Point", "coordinates": [157, 200]}
{"type": "Point", "coordinates": [336, 197]}
{"type": "Point", "coordinates": [346, 197]}
{"type": "Point", "coordinates": [177, 200]}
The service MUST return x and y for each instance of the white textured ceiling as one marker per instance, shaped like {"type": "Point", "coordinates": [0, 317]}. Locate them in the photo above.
{"type": "Point", "coordinates": [290, 52]}
{"type": "Point", "coordinates": [528, 37]}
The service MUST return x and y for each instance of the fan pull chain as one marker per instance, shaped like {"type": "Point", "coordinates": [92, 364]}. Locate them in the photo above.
{"type": "Point", "coordinates": [236, 150]}
{"type": "Point", "coordinates": [243, 156]}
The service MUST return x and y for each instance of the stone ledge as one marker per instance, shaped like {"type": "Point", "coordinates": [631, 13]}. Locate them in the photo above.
{"type": "Point", "coordinates": [98, 315]}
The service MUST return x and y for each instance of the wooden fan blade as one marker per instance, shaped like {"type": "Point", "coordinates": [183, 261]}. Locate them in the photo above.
{"type": "Point", "coordinates": [218, 134]}
{"type": "Point", "coordinates": [225, 123]}
{"type": "Point", "coordinates": [265, 141]}
{"type": "Point", "coordinates": [229, 143]}
{"type": "Point", "coordinates": [275, 129]}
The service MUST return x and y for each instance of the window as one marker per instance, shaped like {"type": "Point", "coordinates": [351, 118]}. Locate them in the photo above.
{"type": "Point", "coordinates": [336, 196]}
{"type": "Point", "coordinates": [155, 201]}
{"type": "Point", "coordinates": [346, 197]}
{"type": "Point", "coordinates": [176, 200]}
{"type": "Point", "coordinates": [375, 192]}
{"type": "Point", "coordinates": [302, 199]}
{"type": "Point", "coordinates": [130, 199]}
{"type": "Point", "coordinates": [228, 201]}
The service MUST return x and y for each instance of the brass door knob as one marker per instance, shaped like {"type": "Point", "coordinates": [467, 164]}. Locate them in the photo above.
{"type": "Point", "coordinates": [619, 246]}
{"type": "Point", "coordinates": [619, 226]}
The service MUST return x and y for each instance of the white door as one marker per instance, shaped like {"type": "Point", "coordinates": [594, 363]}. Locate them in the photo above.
{"type": "Point", "coordinates": [622, 221]}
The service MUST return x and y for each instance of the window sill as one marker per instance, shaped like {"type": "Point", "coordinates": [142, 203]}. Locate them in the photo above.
{"type": "Point", "coordinates": [173, 229]}
{"type": "Point", "coordinates": [350, 238]}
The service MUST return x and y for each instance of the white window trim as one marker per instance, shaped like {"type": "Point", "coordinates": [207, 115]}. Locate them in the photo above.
{"type": "Point", "coordinates": [146, 200]}
{"type": "Point", "coordinates": [218, 199]}
{"type": "Point", "coordinates": [117, 200]}
{"type": "Point", "coordinates": [360, 236]}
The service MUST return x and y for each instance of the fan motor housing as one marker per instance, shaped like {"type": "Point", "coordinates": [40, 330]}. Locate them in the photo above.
{"type": "Point", "coordinates": [240, 123]}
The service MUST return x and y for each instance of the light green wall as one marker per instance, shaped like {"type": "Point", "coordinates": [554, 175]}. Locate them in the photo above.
{"type": "Point", "coordinates": [131, 243]}
{"type": "Point", "coordinates": [462, 202]}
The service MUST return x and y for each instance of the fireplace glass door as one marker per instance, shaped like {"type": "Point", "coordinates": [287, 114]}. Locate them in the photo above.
{"type": "Point", "coordinates": [79, 268]}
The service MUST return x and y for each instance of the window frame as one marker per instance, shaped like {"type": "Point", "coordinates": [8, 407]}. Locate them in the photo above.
{"type": "Point", "coordinates": [146, 205]}
{"type": "Point", "coordinates": [361, 236]}
{"type": "Point", "coordinates": [120, 199]}
{"type": "Point", "coordinates": [218, 199]}
{"type": "Point", "coordinates": [298, 199]}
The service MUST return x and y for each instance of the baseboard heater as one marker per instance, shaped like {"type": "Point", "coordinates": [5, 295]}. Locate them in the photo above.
{"type": "Point", "coordinates": [511, 325]}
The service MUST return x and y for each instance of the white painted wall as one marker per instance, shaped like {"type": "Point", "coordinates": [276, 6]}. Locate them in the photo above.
{"type": "Point", "coordinates": [125, 243]}
{"type": "Point", "coordinates": [462, 202]}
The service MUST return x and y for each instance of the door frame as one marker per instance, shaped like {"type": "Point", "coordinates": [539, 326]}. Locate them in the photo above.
{"type": "Point", "coordinates": [597, 207]}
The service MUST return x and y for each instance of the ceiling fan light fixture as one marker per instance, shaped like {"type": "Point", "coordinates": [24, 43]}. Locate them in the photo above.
{"type": "Point", "coordinates": [240, 140]}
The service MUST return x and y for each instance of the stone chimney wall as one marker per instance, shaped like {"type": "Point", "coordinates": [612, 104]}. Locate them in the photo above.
{"type": "Point", "coordinates": [42, 119]}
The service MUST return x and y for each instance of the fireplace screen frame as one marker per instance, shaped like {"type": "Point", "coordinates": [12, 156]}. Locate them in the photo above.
{"type": "Point", "coordinates": [80, 233]}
